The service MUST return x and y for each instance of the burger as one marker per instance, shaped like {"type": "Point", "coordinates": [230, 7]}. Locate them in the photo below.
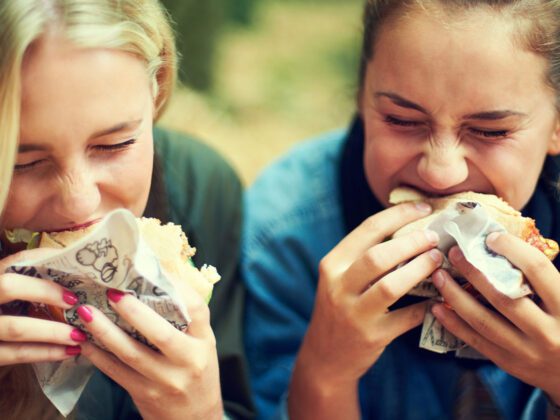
{"type": "Point", "coordinates": [500, 216]}
{"type": "Point", "coordinates": [167, 241]}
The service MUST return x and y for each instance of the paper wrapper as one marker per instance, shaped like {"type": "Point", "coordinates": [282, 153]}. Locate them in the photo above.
{"type": "Point", "coordinates": [467, 225]}
{"type": "Point", "coordinates": [113, 256]}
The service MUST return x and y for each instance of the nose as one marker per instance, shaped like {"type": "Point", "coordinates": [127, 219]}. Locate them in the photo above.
{"type": "Point", "coordinates": [78, 197]}
{"type": "Point", "coordinates": [443, 165]}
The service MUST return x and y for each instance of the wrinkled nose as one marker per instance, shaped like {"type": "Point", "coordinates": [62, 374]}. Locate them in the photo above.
{"type": "Point", "coordinates": [78, 197]}
{"type": "Point", "coordinates": [443, 166]}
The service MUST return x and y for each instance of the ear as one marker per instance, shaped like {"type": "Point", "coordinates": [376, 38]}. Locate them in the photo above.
{"type": "Point", "coordinates": [554, 142]}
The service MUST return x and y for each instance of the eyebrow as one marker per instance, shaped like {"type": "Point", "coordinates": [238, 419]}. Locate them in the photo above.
{"type": "Point", "coordinates": [127, 125]}
{"type": "Point", "coordinates": [487, 115]}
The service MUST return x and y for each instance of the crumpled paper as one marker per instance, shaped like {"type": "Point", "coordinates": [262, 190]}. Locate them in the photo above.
{"type": "Point", "coordinates": [467, 225]}
{"type": "Point", "coordinates": [113, 256]}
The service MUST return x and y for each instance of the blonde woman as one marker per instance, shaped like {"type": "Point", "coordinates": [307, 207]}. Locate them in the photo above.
{"type": "Point", "coordinates": [82, 82]}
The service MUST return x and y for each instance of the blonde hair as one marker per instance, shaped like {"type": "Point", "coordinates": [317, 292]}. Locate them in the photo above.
{"type": "Point", "coordinates": [139, 27]}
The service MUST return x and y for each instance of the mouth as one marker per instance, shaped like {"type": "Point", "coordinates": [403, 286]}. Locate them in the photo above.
{"type": "Point", "coordinates": [75, 227]}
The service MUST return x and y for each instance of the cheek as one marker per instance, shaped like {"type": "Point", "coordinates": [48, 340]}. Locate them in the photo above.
{"type": "Point", "coordinates": [24, 200]}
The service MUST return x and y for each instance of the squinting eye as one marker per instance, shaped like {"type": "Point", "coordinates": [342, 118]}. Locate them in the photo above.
{"type": "Point", "coordinates": [27, 166]}
{"type": "Point", "coordinates": [115, 147]}
{"type": "Point", "coordinates": [489, 133]}
{"type": "Point", "coordinates": [402, 123]}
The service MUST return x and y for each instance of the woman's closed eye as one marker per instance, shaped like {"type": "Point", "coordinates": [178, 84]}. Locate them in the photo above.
{"type": "Point", "coordinates": [391, 120]}
{"type": "Point", "coordinates": [115, 147]}
{"type": "Point", "coordinates": [489, 134]}
{"type": "Point", "coordinates": [22, 167]}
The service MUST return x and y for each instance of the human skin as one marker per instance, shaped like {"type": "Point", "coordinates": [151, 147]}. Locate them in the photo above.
{"type": "Point", "coordinates": [86, 148]}
{"type": "Point", "coordinates": [442, 115]}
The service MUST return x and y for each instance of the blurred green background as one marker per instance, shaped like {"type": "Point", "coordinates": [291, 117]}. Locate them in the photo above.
{"type": "Point", "coordinates": [259, 75]}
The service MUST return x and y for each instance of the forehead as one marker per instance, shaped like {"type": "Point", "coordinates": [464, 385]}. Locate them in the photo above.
{"type": "Point", "coordinates": [65, 87]}
{"type": "Point", "coordinates": [473, 55]}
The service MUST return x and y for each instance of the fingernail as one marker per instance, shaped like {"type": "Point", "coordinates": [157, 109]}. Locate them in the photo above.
{"type": "Point", "coordinates": [493, 237]}
{"type": "Point", "coordinates": [455, 254]}
{"type": "Point", "coordinates": [78, 336]}
{"type": "Point", "coordinates": [73, 350]}
{"type": "Point", "coordinates": [423, 207]}
{"type": "Point", "coordinates": [85, 313]}
{"type": "Point", "coordinates": [435, 255]}
{"type": "Point", "coordinates": [438, 311]}
{"type": "Point", "coordinates": [438, 279]}
{"type": "Point", "coordinates": [432, 236]}
{"type": "Point", "coordinates": [114, 295]}
{"type": "Point", "coordinates": [69, 297]}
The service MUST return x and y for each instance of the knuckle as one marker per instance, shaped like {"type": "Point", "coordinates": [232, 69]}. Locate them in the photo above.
{"type": "Point", "coordinates": [131, 357]}
{"type": "Point", "coordinates": [151, 395]}
{"type": "Point", "coordinates": [374, 258]}
{"type": "Point", "coordinates": [386, 291]}
{"type": "Point", "coordinates": [536, 266]}
{"type": "Point", "coordinates": [372, 224]}
{"type": "Point", "coordinates": [163, 339]}
{"type": "Point", "coordinates": [6, 289]}
{"type": "Point", "coordinates": [550, 342]}
{"type": "Point", "coordinates": [199, 311]}
{"type": "Point", "coordinates": [13, 328]}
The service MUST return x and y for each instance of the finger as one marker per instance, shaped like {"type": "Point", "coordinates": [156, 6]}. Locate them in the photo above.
{"type": "Point", "coordinates": [27, 255]}
{"type": "Point", "coordinates": [115, 369]}
{"type": "Point", "coordinates": [386, 291]}
{"type": "Point", "coordinates": [522, 312]}
{"type": "Point", "coordinates": [374, 230]}
{"type": "Point", "coordinates": [452, 322]}
{"type": "Point", "coordinates": [481, 319]}
{"type": "Point", "coordinates": [31, 330]}
{"type": "Point", "coordinates": [170, 341]}
{"type": "Point", "coordinates": [384, 257]}
{"type": "Point", "coordinates": [130, 351]}
{"type": "Point", "coordinates": [31, 289]}
{"type": "Point", "coordinates": [17, 353]}
{"type": "Point", "coordinates": [197, 310]}
{"type": "Point", "coordinates": [402, 320]}
{"type": "Point", "coordinates": [538, 269]}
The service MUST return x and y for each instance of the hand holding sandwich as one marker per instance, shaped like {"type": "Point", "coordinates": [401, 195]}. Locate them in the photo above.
{"type": "Point", "coordinates": [181, 381]}
{"type": "Point", "coordinates": [523, 339]}
{"type": "Point", "coordinates": [351, 324]}
{"type": "Point", "coordinates": [28, 340]}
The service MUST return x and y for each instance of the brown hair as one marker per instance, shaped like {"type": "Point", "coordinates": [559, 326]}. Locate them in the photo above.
{"type": "Point", "coordinates": [538, 24]}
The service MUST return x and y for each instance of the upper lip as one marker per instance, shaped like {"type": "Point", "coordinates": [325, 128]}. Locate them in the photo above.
{"type": "Point", "coordinates": [440, 193]}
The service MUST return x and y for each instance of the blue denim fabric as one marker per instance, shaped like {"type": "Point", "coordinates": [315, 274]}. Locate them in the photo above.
{"type": "Point", "coordinates": [294, 218]}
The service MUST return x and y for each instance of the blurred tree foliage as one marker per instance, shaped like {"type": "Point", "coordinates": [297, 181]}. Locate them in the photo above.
{"type": "Point", "coordinates": [198, 25]}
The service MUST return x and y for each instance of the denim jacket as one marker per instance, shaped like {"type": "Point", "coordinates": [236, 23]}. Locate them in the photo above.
{"type": "Point", "coordinates": [296, 212]}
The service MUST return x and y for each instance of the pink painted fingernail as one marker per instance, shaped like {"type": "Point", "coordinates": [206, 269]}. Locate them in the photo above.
{"type": "Point", "coordinates": [73, 350]}
{"type": "Point", "coordinates": [78, 336]}
{"type": "Point", "coordinates": [114, 295]}
{"type": "Point", "coordinates": [69, 297]}
{"type": "Point", "coordinates": [85, 313]}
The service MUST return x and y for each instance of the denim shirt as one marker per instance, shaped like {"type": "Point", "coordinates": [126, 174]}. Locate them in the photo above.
{"type": "Point", "coordinates": [294, 217]}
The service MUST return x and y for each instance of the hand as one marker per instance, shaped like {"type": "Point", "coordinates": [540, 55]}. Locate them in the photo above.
{"type": "Point", "coordinates": [351, 324]}
{"type": "Point", "coordinates": [29, 340]}
{"type": "Point", "coordinates": [181, 381]}
{"type": "Point", "coordinates": [523, 337]}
